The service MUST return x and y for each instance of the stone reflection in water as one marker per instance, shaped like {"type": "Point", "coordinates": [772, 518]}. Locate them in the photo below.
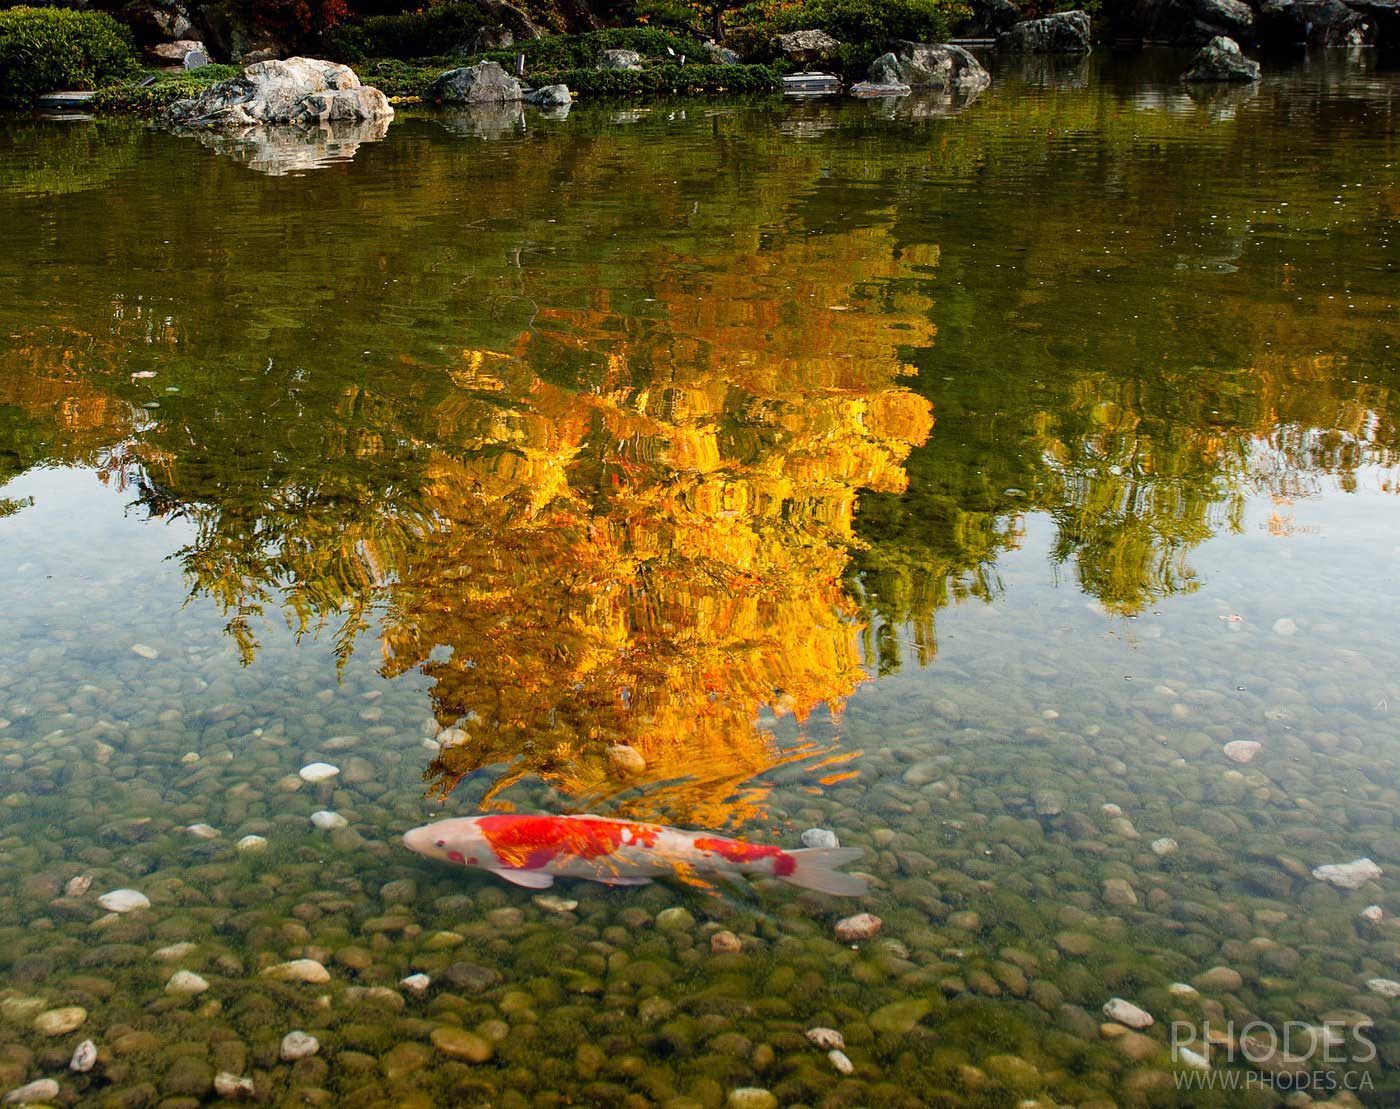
{"type": "Point", "coordinates": [278, 149]}
{"type": "Point", "coordinates": [487, 121]}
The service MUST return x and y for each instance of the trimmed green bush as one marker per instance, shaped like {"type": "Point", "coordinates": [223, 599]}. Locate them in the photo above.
{"type": "Point", "coordinates": [43, 49]}
{"type": "Point", "coordinates": [864, 27]}
{"type": "Point", "coordinates": [665, 79]}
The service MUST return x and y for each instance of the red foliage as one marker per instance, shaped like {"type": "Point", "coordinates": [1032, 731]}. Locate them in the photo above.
{"type": "Point", "coordinates": [298, 19]}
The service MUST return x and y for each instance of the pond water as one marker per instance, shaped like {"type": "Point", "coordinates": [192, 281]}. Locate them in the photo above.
{"type": "Point", "coordinates": [980, 486]}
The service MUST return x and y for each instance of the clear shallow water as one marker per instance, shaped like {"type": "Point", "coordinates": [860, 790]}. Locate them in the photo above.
{"type": "Point", "coordinates": [938, 480]}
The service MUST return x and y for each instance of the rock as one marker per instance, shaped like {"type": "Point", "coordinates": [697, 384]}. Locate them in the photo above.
{"type": "Point", "coordinates": [78, 886]}
{"type": "Point", "coordinates": [987, 19]}
{"type": "Point", "coordinates": [203, 831]}
{"type": "Point", "coordinates": [819, 837]}
{"type": "Point", "coordinates": [1284, 626]}
{"type": "Point", "coordinates": [882, 87]}
{"type": "Point", "coordinates": [559, 96]}
{"type": "Point", "coordinates": [841, 1061]}
{"type": "Point", "coordinates": [483, 83]}
{"type": "Point", "coordinates": [461, 1044]}
{"type": "Point", "coordinates": [1242, 750]}
{"type": "Point", "coordinates": [59, 1022]}
{"type": "Point", "coordinates": [751, 1097]}
{"type": "Point", "coordinates": [84, 1057]}
{"type": "Point", "coordinates": [251, 843]}
{"type": "Point", "coordinates": [1125, 1012]}
{"type": "Point", "coordinates": [1221, 60]}
{"type": "Point", "coordinates": [318, 772]}
{"type": "Point", "coordinates": [725, 943]}
{"type": "Point", "coordinates": [298, 90]}
{"type": "Point", "coordinates": [298, 1045]}
{"type": "Point", "coordinates": [862, 926]}
{"type": "Point", "coordinates": [625, 60]}
{"type": "Point", "coordinates": [45, 1089]}
{"type": "Point", "coordinates": [928, 65]}
{"type": "Point", "coordinates": [416, 983]}
{"type": "Point", "coordinates": [173, 53]}
{"type": "Point", "coordinates": [1219, 979]}
{"type": "Point", "coordinates": [472, 978]}
{"type": "Point", "coordinates": [552, 903]}
{"type": "Point", "coordinates": [1013, 1072]}
{"type": "Point", "coordinates": [401, 891]}
{"type": "Point", "coordinates": [298, 970]}
{"type": "Point", "coordinates": [197, 58]}
{"type": "Point", "coordinates": [899, 1017]}
{"type": "Point", "coordinates": [1386, 987]}
{"type": "Point", "coordinates": [186, 984]}
{"type": "Point", "coordinates": [1185, 1057]}
{"type": "Point", "coordinates": [1194, 22]}
{"type": "Point", "coordinates": [1061, 33]}
{"type": "Point", "coordinates": [144, 651]}
{"type": "Point", "coordinates": [826, 1038]}
{"type": "Point", "coordinates": [1348, 876]}
{"type": "Point", "coordinates": [1372, 914]}
{"type": "Point", "coordinates": [1164, 847]}
{"type": "Point", "coordinates": [329, 821]}
{"type": "Point", "coordinates": [716, 54]}
{"type": "Point", "coordinates": [806, 48]}
{"type": "Point", "coordinates": [233, 1086]}
{"type": "Point", "coordinates": [124, 901]}
{"type": "Point", "coordinates": [675, 920]}
{"type": "Point", "coordinates": [173, 951]}
{"type": "Point", "coordinates": [1117, 892]}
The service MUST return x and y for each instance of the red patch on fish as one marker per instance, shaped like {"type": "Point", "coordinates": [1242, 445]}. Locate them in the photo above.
{"type": "Point", "coordinates": [533, 842]}
{"type": "Point", "coordinates": [737, 851]}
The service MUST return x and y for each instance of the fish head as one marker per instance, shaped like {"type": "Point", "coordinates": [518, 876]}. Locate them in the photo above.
{"type": "Point", "coordinates": [458, 841]}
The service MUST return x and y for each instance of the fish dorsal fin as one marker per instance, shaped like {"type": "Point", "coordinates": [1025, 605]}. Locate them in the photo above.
{"type": "Point", "coordinates": [531, 879]}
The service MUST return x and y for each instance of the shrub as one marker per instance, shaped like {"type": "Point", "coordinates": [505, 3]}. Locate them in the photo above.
{"type": "Point", "coordinates": [665, 79]}
{"type": "Point", "coordinates": [42, 49]}
{"type": "Point", "coordinates": [559, 52]}
{"type": "Point", "coordinates": [168, 88]}
{"type": "Point", "coordinates": [866, 27]}
{"type": "Point", "coordinates": [422, 34]}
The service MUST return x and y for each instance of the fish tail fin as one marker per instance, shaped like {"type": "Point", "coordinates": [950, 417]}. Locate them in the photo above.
{"type": "Point", "coordinates": [815, 869]}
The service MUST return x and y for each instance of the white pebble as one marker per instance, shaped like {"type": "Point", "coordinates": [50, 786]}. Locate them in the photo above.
{"type": "Point", "coordinates": [45, 1089]}
{"type": "Point", "coordinates": [1285, 627]}
{"type": "Point", "coordinates": [230, 1085]}
{"type": "Point", "coordinates": [84, 1057]}
{"type": "Point", "coordinates": [78, 886]}
{"type": "Point", "coordinates": [251, 843]}
{"type": "Point", "coordinates": [416, 983]}
{"type": "Point", "coordinates": [1182, 989]}
{"type": "Point", "coordinates": [826, 1038]}
{"type": "Point", "coordinates": [298, 970]}
{"type": "Point", "coordinates": [1188, 1058]}
{"type": "Point", "coordinates": [1242, 750]}
{"type": "Point", "coordinates": [186, 983]}
{"type": "Point", "coordinates": [172, 952]}
{"type": "Point", "coordinates": [819, 837]}
{"type": "Point", "coordinates": [318, 772]}
{"type": "Point", "coordinates": [203, 831]}
{"type": "Point", "coordinates": [1164, 846]}
{"type": "Point", "coordinates": [1113, 810]}
{"type": "Point", "coordinates": [841, 1061]}
{"type": "Point", "coordinates": [1386, 987]}
{"type": "Point", "coordinates": [329, 821]}
{"type": "Point", "coordinates": [1125, 1012]}
{"type": "Point", "coordinates": [124, 901]}
{"type": "Point", "coordinates": [1348, 876]}
{"type": "Point", "coordinates": [144, 651]}
{"type": "Point", "coordinates": [1372, 914]}
{"type": "Point", "coordinates": [298, 1045]}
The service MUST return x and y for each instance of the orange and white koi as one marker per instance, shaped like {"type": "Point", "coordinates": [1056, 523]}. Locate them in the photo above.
{"type": "Point", "coordinates": [534, 850]}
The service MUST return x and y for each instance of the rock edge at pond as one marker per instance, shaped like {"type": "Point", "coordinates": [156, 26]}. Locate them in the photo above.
{"type": "Point", "coordinates": [1222, 60]}
{"type": "Point", "coordinates": [297, 90]}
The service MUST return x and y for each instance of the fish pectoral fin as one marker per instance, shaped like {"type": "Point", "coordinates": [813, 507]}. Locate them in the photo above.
{"type": "Point", "coordinates": [531, 879]}
{"type": "Point", "coordinates": [624, 881]}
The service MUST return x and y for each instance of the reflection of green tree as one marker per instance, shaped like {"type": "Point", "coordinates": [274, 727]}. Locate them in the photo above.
{"type": "Point", "coordinates": [68, 158]}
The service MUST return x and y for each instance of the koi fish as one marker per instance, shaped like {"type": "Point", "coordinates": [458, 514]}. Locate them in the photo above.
{"type": "Point", "coordinates": [534, 850]}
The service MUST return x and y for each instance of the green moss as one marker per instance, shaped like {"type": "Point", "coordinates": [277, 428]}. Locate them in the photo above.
{"type": "Point", "coordinates": [665, 79]}
{"type": "Point", "coordinates": [43, 49]}
{"type": "Point", "coordinates": [131, 98]}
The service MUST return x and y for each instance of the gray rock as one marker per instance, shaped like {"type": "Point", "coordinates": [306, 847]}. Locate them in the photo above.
{"type": "Point", "coordinates": [298, 1045]}
{"type": "Point", "coordinates": [45, 1089]}
{"type": "Point", "coordinates": [716, 54]}
{"type": "Point", "coordinates": [819, 837]}
{"type": "Point", "coordinates": [483, 83]}
{"type": "Point", "coordinates": [930, 65]}
{"type": "Point", "coordinates": [550, 96]}
{"type": "Point", "coordinates": [805, 47]}
{"type": "Point", "coordinates": [1348, 876]}
{"type": "Point", "coordinates": [173, 53]}
{"type": "Point", "coordinates": [298, 90]}
{"type": "Point", "coordinates": [880, 88]}
{"type": "Point", "coordinates": [1061, 33]}
{"type": "Point", "coordinates": [626, 60]}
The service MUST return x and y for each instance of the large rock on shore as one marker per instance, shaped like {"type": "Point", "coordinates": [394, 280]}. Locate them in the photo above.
{"type": "Point", "coordinates": [929, 65]}
{"type": "Point", "coordinates": [1222, 60]}
{"type": "Point", "coordinates": [1061, 33]}
{"type": "Point", "coordinates": [806, 48]}
{"type": "Point", "coordinates": [483, 83]}
{"type": "Point", "coordinates": [297, 90]}
{"type": "Point", "coordinates": [987, 19]}
{"type": "Point", "coordinates": [1195, 21]}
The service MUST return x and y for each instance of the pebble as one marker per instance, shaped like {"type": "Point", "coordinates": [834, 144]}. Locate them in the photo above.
{"type": "Point", "coordinates": [1348, 876]}
{"type": "Point", "coordinates": [1242, 750]}
{"type": "Point", "coordinates": [1125, 1012]}
{"type": "Point", "coordinates": [862, 926]}
{"type": "Point", "coordinates": [230, 1085]}
{"type": "Point", "coordinates": [675, 920]}
{"type": "Point", "coordinates": [725, 943]}
{"type": "Point", "coordinates": [461, 1044]}
{"type": "Point", "coordinates": [625, 761]}
{"type": "Point", "coordinates": [553, 903]}
{"type": "Point", "coordinates": [298, 1045]}
{"type": "Point", "coordinates": [203, 831]}
{"type": "Point", "coordinates": [1219, 980]}
{"type": "Point", "coordinates": [318, 772]}
{"type": "Point", "coordinates": [1117, 892]}
{"type": "Point", "coordinates": [819, 837]}
{"type": "Point", "coordinates": [45, 1089]}
{"type": "Point", "coordinates": [84, 1057]}
{"type": "Point", "coordinates": [124, 901]}
{"type": "Point", "coordinates": [1111, 809]}
{"type": "Point", "coordinates": [841, 1061]}
{"type": "Point", "coordinates": [251, 843]}
{"type": "Point", "coordinates": [329, 821]}
{"type": "Point", "coordinates": [416, 983]}
{"type": "Point", "coordinates": [826, 1038]}
{"type": "Point", "coordinates": [1372, 914]}
{"type": "Point", "coordinates": [1188, 1058]}
{"type": "Point", "coordinates": [59, 1022]}
{"type": "Point", "coordinates": [1164, 846]}
{"type": "Point", "coordinates": [144, 651]}
{"type": "Point", "coordinates": [298, 970]}
{"type": "Point", "coordinates": [78, 886]}
{"type": "Point", "coordinates": [1386, 987]}
{"type": "Point", "coordinates": [1285, 626]}
{"type": "Point", "coordinates": [186, 983]}
{"type": "Point", "coordinates": [751, 1097]}
{"type": "Point", "coordinates": [173, 951]}
{"type": "Point", "coordinates": [1181, 989]}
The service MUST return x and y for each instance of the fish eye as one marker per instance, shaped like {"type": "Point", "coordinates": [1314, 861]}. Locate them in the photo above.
{"type": "Point", "coordinates": [442, 843]}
